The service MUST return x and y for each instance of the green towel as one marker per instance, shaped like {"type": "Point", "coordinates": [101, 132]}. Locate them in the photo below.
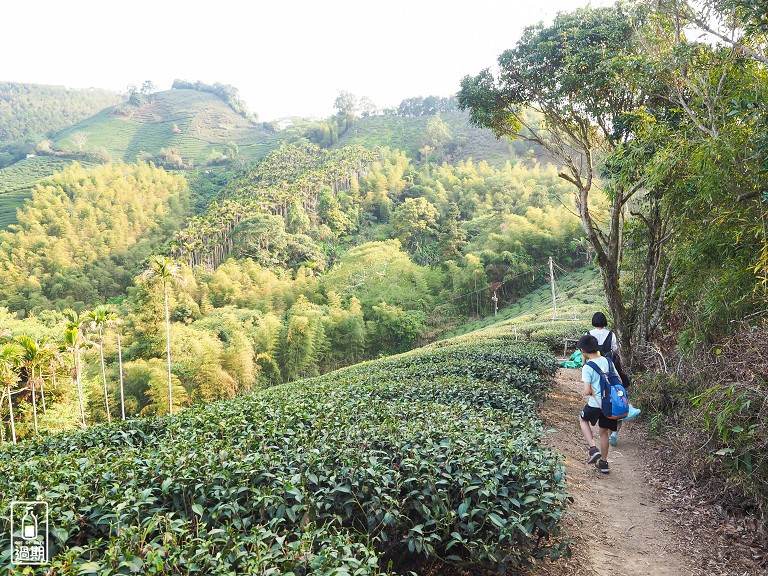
{"type": "Point", "coordinates": [575, 361]}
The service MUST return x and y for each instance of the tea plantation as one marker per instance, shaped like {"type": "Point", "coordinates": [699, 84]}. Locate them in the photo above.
{"type": "Point", "coordinates": [579, 295]}
{"type": "Point", "coordinates": [396, 465]}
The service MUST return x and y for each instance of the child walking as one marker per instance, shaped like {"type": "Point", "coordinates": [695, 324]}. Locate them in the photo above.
{"type": "Point", "coordinates": [609, 347]}
{"type": "Point", "coordinates": [592, 413]}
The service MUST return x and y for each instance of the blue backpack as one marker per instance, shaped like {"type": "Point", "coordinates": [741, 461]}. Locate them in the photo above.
{"type": "Point", "coordinates": [613, 400]}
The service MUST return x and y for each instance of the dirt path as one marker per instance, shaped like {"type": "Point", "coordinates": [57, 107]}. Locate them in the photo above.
{"type": "Point", "coordinates": [616, 522]}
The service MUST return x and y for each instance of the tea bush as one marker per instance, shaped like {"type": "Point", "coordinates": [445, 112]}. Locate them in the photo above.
{"type": "Point", "coordinates": [390, 465]}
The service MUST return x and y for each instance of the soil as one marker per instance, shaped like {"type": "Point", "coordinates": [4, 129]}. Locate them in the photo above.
{"type": "Point", "coordinates": [641, 518]}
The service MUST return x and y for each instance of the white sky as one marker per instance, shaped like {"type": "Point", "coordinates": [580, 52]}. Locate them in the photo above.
{"type": "Point", "coordinates": [286, 57]}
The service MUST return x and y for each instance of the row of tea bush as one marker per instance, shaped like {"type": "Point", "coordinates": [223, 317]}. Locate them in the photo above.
{"type": "Point", "coordinates": [384, 467]}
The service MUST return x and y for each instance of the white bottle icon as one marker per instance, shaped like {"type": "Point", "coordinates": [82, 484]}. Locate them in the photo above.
{"type": "Point", "coordinates": [29, 525]}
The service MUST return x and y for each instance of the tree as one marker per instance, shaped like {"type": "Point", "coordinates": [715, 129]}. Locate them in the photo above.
{"type": "Point", "coordinates": [346, 104]}
{"type": "Point", "coordinates": [578, 74]}
{"type": "Point", "coordinates": [79, 139]}
{"type": "Point", "coordinates": [147, 87]}
{"type": "Point", "coordinates": [117, 324]}
{"type": "Point", "coordinates": [232, 152]}
{"type": "Point", "coordinates": [10, 356]}
{"type": "Point", "coordinates": [75, 342]}
{"type": "Point", "coordinates": [437, 135]}
{"type": "Point", "coordinates": [414, 220]}
{"type": "Point", "coordinates": [164, 270]}
{"type": "Point", "coordinates": [30, 359]}
{"type": "Point", "coordinates": [701, 145]}
{"type": "Point", "coordinates": [739, 23]}
{"type": "Point", "coordinates": [100, 318]}
{"type": "Point", "coordinates": [367, 107]}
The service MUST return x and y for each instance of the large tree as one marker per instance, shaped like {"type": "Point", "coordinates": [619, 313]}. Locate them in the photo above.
{"type": "Point", "coordinates": [702, 148]}
{"type": "Point", "coordinates": [579, 74]}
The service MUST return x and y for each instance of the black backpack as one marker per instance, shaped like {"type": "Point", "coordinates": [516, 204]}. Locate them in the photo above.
{"type": "Point", "coordinates": [605, 350]}
{"type": "Point", "coordinates": [605, 347]}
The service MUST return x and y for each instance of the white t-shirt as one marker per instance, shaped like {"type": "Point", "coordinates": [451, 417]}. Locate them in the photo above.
{"type": "Point", "coordinates": [601, 334]}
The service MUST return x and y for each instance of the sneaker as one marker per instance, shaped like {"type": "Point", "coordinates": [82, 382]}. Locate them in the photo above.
{"type": "Point", "coordinates": [602, 466]}
{"type": "Point", "coordinates": [614, 439]}
{"type": "Point", "coordinates": [594, 454]}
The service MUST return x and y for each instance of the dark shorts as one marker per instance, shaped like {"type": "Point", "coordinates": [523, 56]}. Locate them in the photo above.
{"type": "Point", "coordinates": [595, 416]}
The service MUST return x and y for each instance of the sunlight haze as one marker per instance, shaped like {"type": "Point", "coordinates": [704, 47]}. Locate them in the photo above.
{"type": "Point", "coordinates": [287, 58]}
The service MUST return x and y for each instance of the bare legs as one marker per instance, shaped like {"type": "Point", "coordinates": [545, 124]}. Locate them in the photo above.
{"type": "Point", "coordinates": [605, 434]}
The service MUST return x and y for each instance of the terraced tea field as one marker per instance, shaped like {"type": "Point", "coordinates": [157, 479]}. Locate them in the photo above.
{"type": "Point", "coordinates": [579, 294]}
{"type": "Point", "coordinates": [192, 122]}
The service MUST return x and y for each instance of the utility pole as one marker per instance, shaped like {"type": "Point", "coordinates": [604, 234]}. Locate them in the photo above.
{"type": "Point", "coordinates": [552, 283]}
{"type": "Point", "coordinates": [495, 287]}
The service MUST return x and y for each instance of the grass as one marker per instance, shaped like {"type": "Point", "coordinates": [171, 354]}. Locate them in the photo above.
{"type": "Point", "coordinates": [191, 121]}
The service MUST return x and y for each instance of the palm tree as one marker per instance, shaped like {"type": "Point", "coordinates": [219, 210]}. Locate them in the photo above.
{"type": "Point", "coordinates": [164, 270]}
{"type": "Point", "coordinates": [100, 318]}
{"type": "Point", "coordinates": [50, 362]}
{"type": "Point", "coordinates": [31, 357]}
{"type": "Point", "coordinates": [75, 342]}
{"type": "Point", "coordinates": [10, 355]}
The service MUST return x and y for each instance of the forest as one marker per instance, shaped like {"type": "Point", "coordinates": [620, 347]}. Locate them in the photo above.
{"type": "Point", "coordinates": [243, 290]}
{"type": "Point", "coordinates": [311, 260]}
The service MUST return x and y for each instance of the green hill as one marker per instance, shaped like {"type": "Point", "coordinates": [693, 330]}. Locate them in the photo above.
{"type": "Point", "coordinates": [407, 133]}
{"type": "Point", "coordinates": [192, 122]}
{"type": "Point", "coordinates": [36, 111]}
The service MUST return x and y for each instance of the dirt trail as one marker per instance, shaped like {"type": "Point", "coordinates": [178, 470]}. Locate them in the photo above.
{"type": "Point", "coordinates": [616, 523]}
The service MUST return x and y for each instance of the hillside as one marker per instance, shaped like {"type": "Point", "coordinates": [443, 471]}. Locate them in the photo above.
{"type": "Point", "coordinates": [192, 122]}
{"type": "Point", "coordinates": [32, 112]}
{"type": "Point", "coordinates": [578, 295]}
{"type": "Point", "coordinates": [467, 141]}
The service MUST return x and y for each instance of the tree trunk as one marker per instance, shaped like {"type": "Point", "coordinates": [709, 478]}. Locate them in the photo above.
{"type": "Point", "coordinates": [120, 364]}
{"type": "Point", "coordinates": [104, 376]}
{"type": "Point", "coordinates": [168, 347]}
{"type": "Point", "coordinates": [34, 401]}
{"type": "Point", "coordinates": [10, 410]}
{"type": "Point", "coordinates": [79, 387]}
{"type": "Point", "coordinates": [608, 250]}
{"type": "Point", "coordinates": [42, 393]}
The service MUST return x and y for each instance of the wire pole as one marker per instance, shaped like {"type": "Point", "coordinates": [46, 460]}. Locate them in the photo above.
{"type": "Point", "coordinates": [552, 282]}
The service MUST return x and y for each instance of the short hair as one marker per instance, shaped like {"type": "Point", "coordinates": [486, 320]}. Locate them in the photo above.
{"type": "Point", "coordinates": [599, 320]}
{"type": "Point", "coordinates": [587, 343]}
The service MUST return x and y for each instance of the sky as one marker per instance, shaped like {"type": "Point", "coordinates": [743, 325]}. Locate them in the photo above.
{"type": "Point", "coordinates": [286, 57]}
